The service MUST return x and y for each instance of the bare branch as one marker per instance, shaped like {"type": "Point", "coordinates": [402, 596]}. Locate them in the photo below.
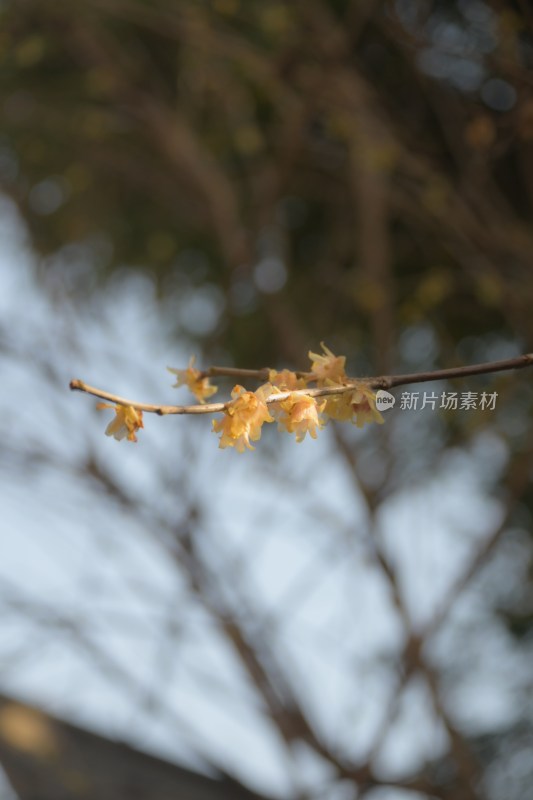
{"type": "Point", "coordinates": [383, 382]}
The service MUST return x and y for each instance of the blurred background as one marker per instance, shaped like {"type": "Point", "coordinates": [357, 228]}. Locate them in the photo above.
{"type": "Point", "coordinates": [241, 179]}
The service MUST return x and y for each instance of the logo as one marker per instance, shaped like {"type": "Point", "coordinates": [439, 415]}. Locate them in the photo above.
{"type": "Point", "coordinates": [384, 400]}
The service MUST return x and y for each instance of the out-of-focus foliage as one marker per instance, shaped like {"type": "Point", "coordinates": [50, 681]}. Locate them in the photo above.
{"type": "Point", "coordinates": [336, 167]}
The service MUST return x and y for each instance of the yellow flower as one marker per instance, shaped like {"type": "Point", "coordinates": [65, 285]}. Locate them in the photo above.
{"type": "Point", "coordinates": [340, 407]}
{"type": "Point", "coordinates": [243, 418]}
{"type": "Point", "coordinates": [299, 414]}
{"type": "Point", "coordinates": [364, 405]}
{"type": "Point", "coordinates": [126, 422]}
{"type": "Point", "coordinates": [358, 406]}
{"type": "Point", "coordinates": [286, 380]}
{"type": "Point", "coordinates": [191, 378]}
{"type": "Point", "coordinates": [328, 368]}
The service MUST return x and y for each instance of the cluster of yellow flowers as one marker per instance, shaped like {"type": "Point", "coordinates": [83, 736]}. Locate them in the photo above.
{"type": "Point", "coordinates": [297, 411]}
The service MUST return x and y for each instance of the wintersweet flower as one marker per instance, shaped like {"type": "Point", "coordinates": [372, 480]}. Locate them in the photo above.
{"type": "Point", "coordinates": [126, 423]}
{"type": "Point", "coordinates": [243, 418]}
{"type": "Point", "coordinates": [364, 405]}
{"type": "Point", "coordinates": [286, 380]}
{"type": "Point", "coordinates": [191, 377]}
{"type": "Point", "coordinates": [339, 407]}
{"type": "Point", "coordinates": [299, 414]}
{"type": "Point", "coordinates": [358, 406]}
{"type": "Point", "coordinates": [328, 368]}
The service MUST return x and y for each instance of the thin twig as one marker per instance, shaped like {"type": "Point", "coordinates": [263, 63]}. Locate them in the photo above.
{"type": "Point", "coordinates": [383, 382]}
{"type": "Point", "coordinates": [454, 372]}
{"type": "Point", "coordinates": [235, 372]}
{"type": "Point", "coordinates": [208, 408]}
{"type": "Point", "coordinates": [255, 374]}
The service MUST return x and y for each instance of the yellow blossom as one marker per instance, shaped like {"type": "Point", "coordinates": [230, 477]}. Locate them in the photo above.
{"type": "Point", "coordinates": [340, 407]}
{"type": "Point", "coordinates": [299, 414]}
{"type": "Point", "coordinates": [358, 406]}
{"type": "Point", "coordinates": [328, 368]}
{"type": "Point", "coordinates": [191, 377]}
{"type": "Point", "coordinates": [364, 406]}
{"type": "Point", "coordinates": [127, 421]}
{"type": "Point", "coordinates": [286, 380]}
{"type": "Point", "coordinates": [243, 418]}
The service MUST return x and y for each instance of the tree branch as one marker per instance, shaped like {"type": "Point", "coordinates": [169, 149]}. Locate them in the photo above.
{"type": "Point", "coordinates": [383, 382]}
